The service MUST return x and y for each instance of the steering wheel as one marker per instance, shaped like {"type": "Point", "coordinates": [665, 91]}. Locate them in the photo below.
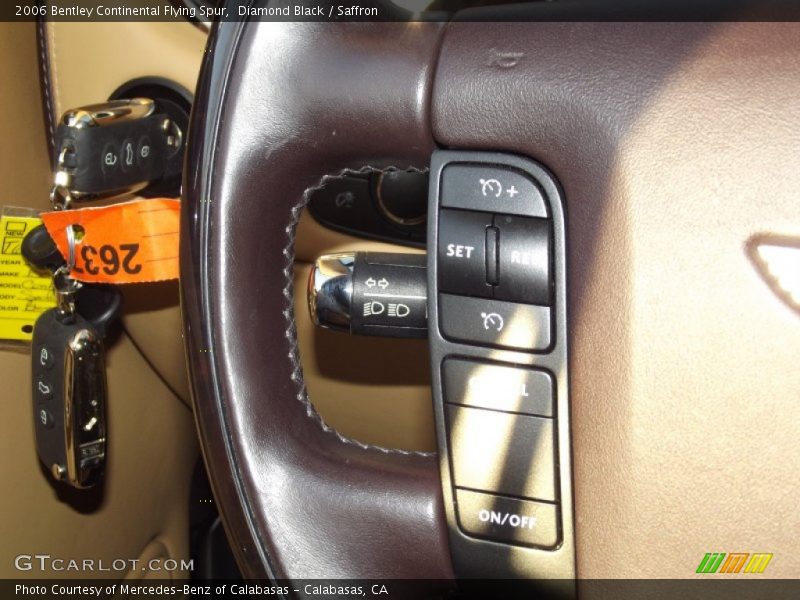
{"type": "Point", "coordinates": [613, 110]}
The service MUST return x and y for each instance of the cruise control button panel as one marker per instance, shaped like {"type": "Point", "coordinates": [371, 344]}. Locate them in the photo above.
{"type": "Point", "coordinates": [501, 257]}
{"type": "Point", "coordinates": [497, 332]}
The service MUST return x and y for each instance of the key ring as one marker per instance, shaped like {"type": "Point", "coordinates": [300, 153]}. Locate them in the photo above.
{"type": "Point", "coordinates": [60, 193]}
{"type": "Point", "coordinates": [70, 231]}
{"type": "Point", "coordinates": [60, 197]}
{"type": "Point", "coordinates": [65, 285]}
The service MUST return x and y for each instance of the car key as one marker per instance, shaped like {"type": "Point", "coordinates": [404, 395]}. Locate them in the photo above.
{"type": "Point", "coordinates": [69, 390]}
{"type": "Point", "coordinates": [68, 368]}
{"type": "Point", "coordinates": [113, 149]}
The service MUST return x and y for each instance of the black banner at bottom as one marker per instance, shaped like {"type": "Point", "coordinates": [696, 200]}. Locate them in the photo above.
{"type": "Point", "coordinates": [393, 589]}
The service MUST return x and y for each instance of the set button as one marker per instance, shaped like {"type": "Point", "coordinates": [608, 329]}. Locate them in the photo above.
{"type": "Point", "coordinates": [462, 252]}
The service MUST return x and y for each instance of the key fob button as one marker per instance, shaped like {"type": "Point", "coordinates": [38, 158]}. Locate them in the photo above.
{"type": "Point", "coordinates": [45, 417]}
{"type": "Point", "coordinates": [109, 161]}
{"type": "Point", "coordinates": [127, 154]}
{"type": "Point", "coordinates": [44, 388]}
{"type": "Point", "coordinates": [144, 150]}
{"type": "Point", "coordinates": [45, 357]}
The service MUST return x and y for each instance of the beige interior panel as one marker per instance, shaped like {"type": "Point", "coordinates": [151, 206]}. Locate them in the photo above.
{"type": "Point", "coordinates": [88, 61]}
{"type": "Point", "coordinates": [26, 178]}
{"type": "Point", "coordinates": [152, 319]}
{"type": "Point", "coordinates": [152, 448]}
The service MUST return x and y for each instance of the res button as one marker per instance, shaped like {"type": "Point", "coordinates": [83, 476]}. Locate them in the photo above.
{"type": "Point", "coordinates": [523, 270]}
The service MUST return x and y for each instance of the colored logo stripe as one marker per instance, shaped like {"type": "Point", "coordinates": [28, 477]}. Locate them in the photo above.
{"type": "Point", "coordinates": [710, 562]}
{"type": "Point", "coordinates": [734, 563]}
{"type": "Point", "coordinates": [758, 563]}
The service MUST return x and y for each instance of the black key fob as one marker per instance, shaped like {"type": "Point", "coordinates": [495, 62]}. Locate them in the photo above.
{"type": "Point", "coordinates": [41, 252]}
{"type": "Point", "coordinates": [115, 148]}
{"type": "Point", "coordinates": [69, 397]}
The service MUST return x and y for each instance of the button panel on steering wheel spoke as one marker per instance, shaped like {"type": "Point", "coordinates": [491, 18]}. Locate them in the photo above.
{"type": "Point", "coordinates": [497, 331]}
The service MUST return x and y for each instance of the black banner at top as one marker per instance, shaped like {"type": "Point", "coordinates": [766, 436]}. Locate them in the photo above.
{"type": "Point", "coordinates": [206, 11]}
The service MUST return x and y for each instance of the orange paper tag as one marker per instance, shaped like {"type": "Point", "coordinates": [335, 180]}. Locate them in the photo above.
{"type": "Point", "coordinates": [131, 242]}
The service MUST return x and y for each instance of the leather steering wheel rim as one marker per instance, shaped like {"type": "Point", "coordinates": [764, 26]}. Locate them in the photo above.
{"type": "Point", "coordinates": [299, 499]}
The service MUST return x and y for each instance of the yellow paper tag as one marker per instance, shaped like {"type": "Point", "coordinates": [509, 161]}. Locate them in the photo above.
{"type": "Point", "coordinates": [24, 293]}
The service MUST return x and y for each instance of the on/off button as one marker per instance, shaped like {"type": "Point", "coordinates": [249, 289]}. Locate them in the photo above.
{"type": "Point", "coordinates": [509, 520]}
